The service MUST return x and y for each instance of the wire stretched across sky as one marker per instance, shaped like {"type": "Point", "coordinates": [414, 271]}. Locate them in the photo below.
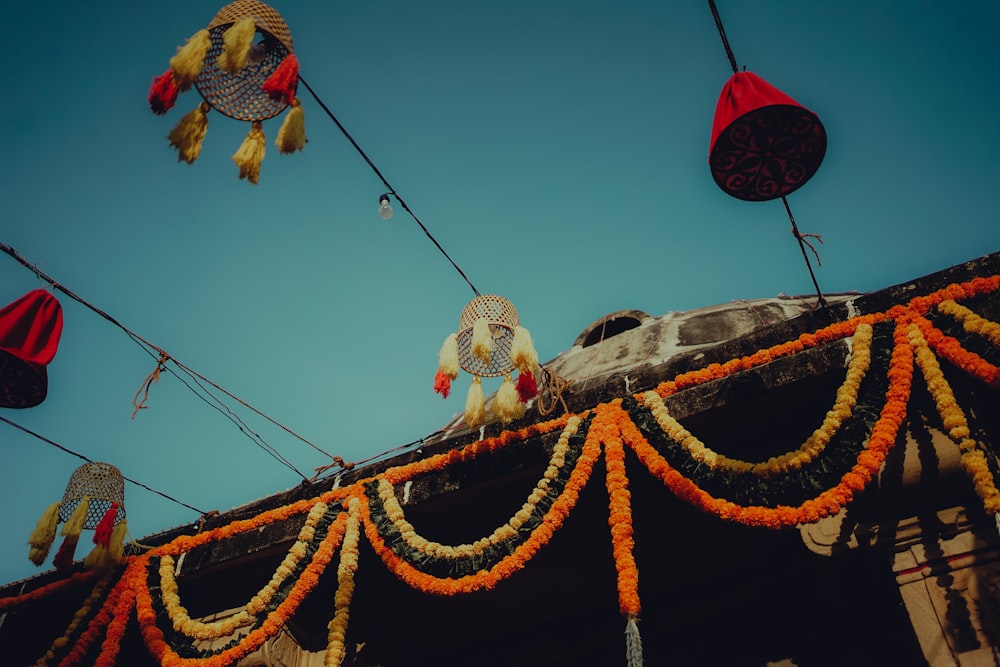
{"type": "Point", "coordinates": [198, 379]}
{"type": "Point", "coordinates": [89, 460]}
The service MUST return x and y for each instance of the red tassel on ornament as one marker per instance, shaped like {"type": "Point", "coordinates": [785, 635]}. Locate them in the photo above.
{"type": "Point", "coordinates": [442, 384]}
{"type": "Point", "coordinates": [284, 80]}
{"type": "Point", "coordinates": [67, 552]}
{"type": "Point", "coordinates": [163, 93]}
{"type": "Point", "coordinates": [102, 533]}
{"type": "Point", "coordinates": [527, 387]}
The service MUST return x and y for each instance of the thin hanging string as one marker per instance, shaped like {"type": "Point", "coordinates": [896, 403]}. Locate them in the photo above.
{"type": "Point", "coordinates": [801, 238]}
{"type": "Point", "coordinates": [795, 229]}
{"type": "Point", "coordinates": [160, 354]}
{"type": "Point", "coordinates": [385, 182]}
{"type": "Point", "coordinates": [88, 460]}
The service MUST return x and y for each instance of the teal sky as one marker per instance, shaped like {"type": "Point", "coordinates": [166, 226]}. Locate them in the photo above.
{"type": "Point", "coordinates": [557, 150]}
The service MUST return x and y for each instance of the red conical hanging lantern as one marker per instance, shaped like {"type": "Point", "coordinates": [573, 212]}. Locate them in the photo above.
{"type": "Point", "coordinates": [30, 328]}
{"type": "Point", "coordinates": [765, 145]}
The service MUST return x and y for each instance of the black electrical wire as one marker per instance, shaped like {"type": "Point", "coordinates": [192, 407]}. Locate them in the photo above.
{"type": "Point", "coordinates": [149, 348]}
{"type": "Point", "coordinates": [722, 34]}
{"type": "Point", "coordinates": [385, 182]}
{"type": "Point", "coordinates": [88, 460]}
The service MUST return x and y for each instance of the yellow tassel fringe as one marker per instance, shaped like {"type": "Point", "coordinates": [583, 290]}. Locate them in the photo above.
{"type": "Point", "coordinates": [189, 59]}
{"type": "Point", "coordinates": [292, 135]}
{"type": "Point", "coordinates": [475, 405]}
{"type": "Point", "coordinates": [74, 526]}
{"type": "Point", "coordinates": [236, 43]}
{"type": "Point", "coordinates": [103, 558]}
{"type": "Point", "coordinates": [45, 532]}
{"type": "Point", "coordinates": [251, 153]}
{"type": "Point", "coordinates": [188, 135]}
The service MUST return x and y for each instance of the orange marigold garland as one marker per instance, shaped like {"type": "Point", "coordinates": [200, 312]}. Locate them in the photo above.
{"type": "Point", "coordinates": [847, 396]}
{"type": "Point", "coordinates": [182, 622]}
{"type": "Point", "coordinates": [973, 459]}
{"type": "Point", "coordinates": [883, 437]}
{"type": "Point", "coordinates": [488, 577]}
{"type": "Point", "coordinates": [83, 614]}
{"type": "Point", "coordinates": [483, 550]}
{"type": "Point", "coordinates": [268, 627]}
{"type": "Point", "coordinates": [42, 592]}
{"type": "Point", "coordinates": [605, 429]}
{"type": "Point", "coordinates": [951, 349]}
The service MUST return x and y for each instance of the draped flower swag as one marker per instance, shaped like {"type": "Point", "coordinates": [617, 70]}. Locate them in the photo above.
{"type": "Point", "coordinates": [816, 479]}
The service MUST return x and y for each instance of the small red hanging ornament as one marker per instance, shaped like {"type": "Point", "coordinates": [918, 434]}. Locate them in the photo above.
{"type": "Point", "coordinates": [527, 386]}
{"type": "Point", "coordinates": [163, 93]}
{"type": "Point", "coordinates": [764, 145]}
{"type": "Point", "coordinates": [284, 81]}
{"type": "Point", "coordinates": [442, 383]}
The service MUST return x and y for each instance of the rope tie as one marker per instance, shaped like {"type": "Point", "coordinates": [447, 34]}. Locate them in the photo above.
{"type": "Point", "coordinates": [154, 377]}
{"type": "Point", "coordinates": [551, 391]}
{"type": "Point", "coordinates": [803, 244]}
{"type": "Point", "coordinates": [338, 462]}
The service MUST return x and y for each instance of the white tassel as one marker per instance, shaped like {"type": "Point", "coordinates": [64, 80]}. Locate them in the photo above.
{"type": "Point", "coordinates": [633, 644]}
{"type": "Point", "coordinates": [448, 357]}
{"type": "Point", "coordinates": [522, 352]}
{"type": "Point", "coordinates": [482, 340]}
{"type": "Point", "coordinates": [508, 405]}
{"type": "Point", "coordinates": [475, 405]}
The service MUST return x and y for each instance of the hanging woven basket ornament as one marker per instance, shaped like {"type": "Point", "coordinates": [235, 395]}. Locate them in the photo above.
{"type": "Point", "coordinates": [244, 67]}
{"type": "Point", "coordinates": [30, 329]}
{"type": "Point", "coordinates": [94, 500]}
{"type": "Point", "coordinates": [764, 145]}
{"type": "Point", "coordinates": [490, 342]}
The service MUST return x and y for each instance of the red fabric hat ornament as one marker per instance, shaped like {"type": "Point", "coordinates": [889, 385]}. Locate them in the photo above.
{"type": "Point", "coordinates": [29, 337]}
{"type": "Point", "coordinates": [764, 145]}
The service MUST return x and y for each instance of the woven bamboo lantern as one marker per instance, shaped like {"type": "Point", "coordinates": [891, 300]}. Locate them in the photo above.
{"type": "Point", "coordinates": [764, 144]}
{"type": "Point", "coordinates": [94, 500]}
{"type": "Point", "coordinates": [490, 343]}
{"type": "Point", "coordinates": [244, 67]}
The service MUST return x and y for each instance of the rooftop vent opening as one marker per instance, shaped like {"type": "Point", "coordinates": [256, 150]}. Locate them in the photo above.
{"type": "Point", "coordinates": [609, 326]}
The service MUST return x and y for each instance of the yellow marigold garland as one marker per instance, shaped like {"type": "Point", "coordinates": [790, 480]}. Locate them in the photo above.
{"type": "Point", "coordinates": [183, 623]}
{"type": "Point", "coordinates": [506, 531]}
{"type": "Point", "coordinates": [306, 582]}
{"type": "Point", "coordinates": [82, 614]}
{"type": "Point", "coordinates": [972, 459]}
{"type": "Point", "coordinates": [846, 399]}
{"type": "Point", "coordinates": [972, 322]}
{"type": "Point", "coordinates": [489, 578]}
{"type": "Point", "coordinates": [335, 651]}
{"type": "Point", "coordinates": [882, 438]}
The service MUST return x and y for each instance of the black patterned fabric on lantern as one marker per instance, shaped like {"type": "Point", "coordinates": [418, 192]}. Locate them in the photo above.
{"type": "Point", "coordinates": [764, 145]}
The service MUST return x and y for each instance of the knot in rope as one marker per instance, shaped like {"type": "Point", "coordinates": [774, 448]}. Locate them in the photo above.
{"type": "Point", "coordinates": [161, 365]}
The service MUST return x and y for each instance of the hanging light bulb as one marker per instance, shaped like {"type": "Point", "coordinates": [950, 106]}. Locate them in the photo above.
{"type": "Point", "coordinates": [384, 210]}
